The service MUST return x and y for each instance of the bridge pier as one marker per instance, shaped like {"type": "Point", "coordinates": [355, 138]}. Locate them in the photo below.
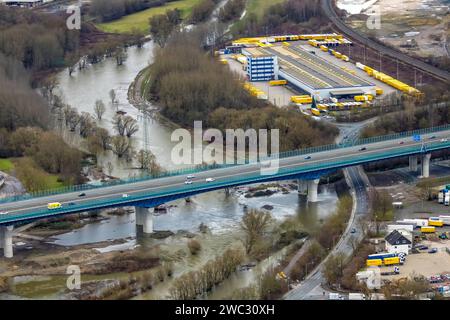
{"type": "Point", "coordinates": [313, 186]}
{"type": "Point", "coordinates": [413, 163]}
{"type": "Point", "coordinates": [144, 218]}
{"type": "Point", "coordinates": [6, 234]}
{"type": "Point", "coordinates": [426, 165]}
{"type": "Point", "coordinates": [302, 187]}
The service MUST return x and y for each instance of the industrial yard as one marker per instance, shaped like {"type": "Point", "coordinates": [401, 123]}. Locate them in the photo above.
{"type": "Point", "coordinates": [314, 72]}
{"type": "Point", "coordinates": [413, 26]}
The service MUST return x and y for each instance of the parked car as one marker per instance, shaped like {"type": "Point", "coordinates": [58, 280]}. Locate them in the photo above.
{"type": "Point", "coordinates": [423, 248]}
{"type": "Point", "coordinates": [353, 230]}
{"type": "Point", "coordinates": [433, 250]}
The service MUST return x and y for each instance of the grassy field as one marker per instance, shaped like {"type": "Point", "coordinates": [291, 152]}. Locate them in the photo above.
{"type": "Point", "coordinates": [139, 20]}
{"type": "Point", "coordinates": [6, 165]}
{"type": "Point", "coordinates": [259, 6]}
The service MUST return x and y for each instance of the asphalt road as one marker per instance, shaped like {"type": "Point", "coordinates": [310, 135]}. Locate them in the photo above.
{"type": "Point", "coordinates": [175, 184]}
{"type": "Point", "coordinates": [327, 7]}
{"type": "Point", "coordinates": [310, 288]}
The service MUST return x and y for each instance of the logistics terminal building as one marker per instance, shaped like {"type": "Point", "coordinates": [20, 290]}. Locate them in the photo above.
{"type": "Point", "coordinates": [303, 69]}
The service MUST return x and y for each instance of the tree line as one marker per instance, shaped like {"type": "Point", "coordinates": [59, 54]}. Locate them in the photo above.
{"type": "Point", "coordinates": [202, 11]}
{"type": "Point", "coordinates": [40, 41]}
{"type": "Point", "coordinates": [291, 16]}
{"type": "Point", "coordinates": [411, 117]}
{"type": "Point", "coordinates": [232, 10]}
{"type": "Point", "coordinates": [191, 85]}
{"type": "Point", "coordinates": [107, 10]}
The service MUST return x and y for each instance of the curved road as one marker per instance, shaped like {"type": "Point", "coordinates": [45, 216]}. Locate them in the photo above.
{"type": "Point", "coordinates": [328, 9]}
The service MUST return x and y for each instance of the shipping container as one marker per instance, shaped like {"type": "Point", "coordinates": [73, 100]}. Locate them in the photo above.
{"type": "Point", "coordinates": [435, 223]}
{"type": "Point", "coordinates": [391, 261]}
{"type": "Point", "coordinates": [374, 262]}
{"type": "Point", "coordinates": [278, 82]}
{"type": "Point", "coordinates": [427, 229]}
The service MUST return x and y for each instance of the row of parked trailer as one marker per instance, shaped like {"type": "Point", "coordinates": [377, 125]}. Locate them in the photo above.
{"type": "Point", "coordinates": [389, 80]}
{"type": "Point", "coordinates": [444, 195]}
{"type": "Point", "coordinates": [254, 91]}
{"type": "Point", "coordinates": [427, 225]}
{"type": "Point", "coordinates": [284, 38]}
{"type": "Point", "coordinates": [385, 259]}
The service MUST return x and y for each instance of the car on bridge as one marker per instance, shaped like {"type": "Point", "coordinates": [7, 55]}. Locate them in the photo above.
{"type": "Point", "coordinates": [54, 205]}
{"type": "Point", "coordinates": [3, 212]}
{"type": "Point", "coordinates": [307, 157]}
{"type": "Point", "coordinates": [191, 176]}
{"type": "Point", "coordinates": [444, 140]}
{"type": "Point", "coordinates": [363, 149]}
{"type": "Point", "coordinates": [82, 194]}
{"type": "Point", "coordinates": [188, 182]}
{"type": "Point", "coordinates": [125, 195]}
{"type": "Point", "coordinates": [210, 179]}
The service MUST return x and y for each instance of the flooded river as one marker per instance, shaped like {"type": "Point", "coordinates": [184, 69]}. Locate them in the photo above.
{"type": "Point", "coordinates": [219, 211]}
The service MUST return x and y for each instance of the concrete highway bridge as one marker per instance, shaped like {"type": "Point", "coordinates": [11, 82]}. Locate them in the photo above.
{"type": "Point", "coordinates": [306, 166]}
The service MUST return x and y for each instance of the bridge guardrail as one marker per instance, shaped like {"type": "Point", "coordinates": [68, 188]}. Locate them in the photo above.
{"type": "Point", "coordinates": [197, 169]}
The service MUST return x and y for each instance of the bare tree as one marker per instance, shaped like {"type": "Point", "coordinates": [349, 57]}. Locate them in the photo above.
{"type": "Point", "coordinates": [112, 95]}
{"type": "Point", "coordinates": [121, 146]}
{"type": "Point", "coordinates": [72, 117]}
{"type": "Point", "coordinates": [131, 126]}
{"type": "Point", "coordinates": [86, 124]}
{"type": "Point", "coordinates": [254, 223]}
{"type": "Point", "coordinates": [99, 109]}
{"type": "Point", "coordinates": [119, 125]}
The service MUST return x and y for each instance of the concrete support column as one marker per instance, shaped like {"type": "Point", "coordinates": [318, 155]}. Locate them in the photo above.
{"type": "Point", "coordinates": [144, 218]}
{"type": "Point", "coordinates": [147, 222]}
{"type": "Point", "coordinates": [302, 187]}
{"type": "Point", "coordinates": [6, 234]}
{"type": "Point", "coordinates": [313, 186]}
{"type": "Point", "coordinates": [138, 213]}
{"type": "Point", "coordinates": [413, 163]}
{"type": "Point", "coordinates": [426, 165]}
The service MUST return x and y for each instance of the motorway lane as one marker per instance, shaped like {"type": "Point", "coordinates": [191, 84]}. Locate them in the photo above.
{"type": "Point", "coordinates": [153, 186]}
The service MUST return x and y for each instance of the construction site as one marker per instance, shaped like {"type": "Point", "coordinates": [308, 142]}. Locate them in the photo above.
{"type": "Point", "coordinates": [315, 72]}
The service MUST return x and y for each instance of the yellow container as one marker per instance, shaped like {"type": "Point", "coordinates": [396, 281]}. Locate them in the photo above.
{"type": "Point", "coordinates": [277, 82]}
{"type": "Point", "coordinates": [324, 48]}
{"type": "Point", "coordinates": [315, 111]}
{"type": "Point", "coordinates": [379, 91]}
{"type": "Point", "coordinates": [435, 223]}
{"type": "Point", "coordinates": [390, 261]}
{"type": "Point", "coordinates": [427, 229]}
{"type": "Point", "coordinates": [374, 262]}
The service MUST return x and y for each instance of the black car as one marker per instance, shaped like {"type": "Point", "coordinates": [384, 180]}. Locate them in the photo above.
{"type": "Point", "coordinates": [82, 194]}
{"type": "Point", "coordinates": [72, 203]}
{"type": "Point", "coordinates": [363, 149]}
